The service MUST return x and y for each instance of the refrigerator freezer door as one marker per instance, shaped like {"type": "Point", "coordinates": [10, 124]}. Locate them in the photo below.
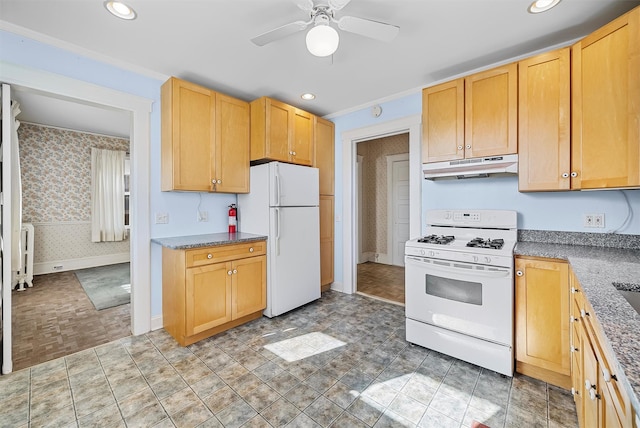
{"type": "Point", "coordinates": [294, 259]}
{"type": "Point", "coordinates": [293, 185]}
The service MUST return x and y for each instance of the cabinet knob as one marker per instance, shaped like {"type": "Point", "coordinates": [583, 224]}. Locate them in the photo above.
{"type": "Point", "coordinates": [574, 290]}
{"type": "Point", "coordinates": [229, 272]}
{"type": "Point", "coordinates": [573, 349]}
{"type": "Point", "coordinates": [209, 256]}
{"type": "Point", "coordinates": [584, 313]}
{"type": "Point", "coordinates": [593, 395]}
{"type": "Point", "coordinates": [573, 319]}
{"type": "Point", "coordinates": [468, 146]}
{"type": "Point", "coordinates": [235, 271]}
{"type": "Point", "coordinates": [219, 181]}
{"type": "Point", "coordinates": [565, 175]}
{"type": "Point", "coordinates": [606, 374]}
{"type": "Point", "coordinates": [251, 250]}
{"type": "Point", "coordinates": [459, 147]}
{"type": "Point", "coordinates": [213, 181]}
{"type": "Point", "coordinates": [293, 153]}
{"type": "Point", "coordinates": [574, 174]}
{"type": "Point", "coordinates": [519, 273]}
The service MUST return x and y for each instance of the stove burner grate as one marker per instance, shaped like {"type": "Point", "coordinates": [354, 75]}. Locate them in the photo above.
{"type": "Point", "coordinates": [495, 244]}
{"type": "Point", "coordinates": [437, 239]}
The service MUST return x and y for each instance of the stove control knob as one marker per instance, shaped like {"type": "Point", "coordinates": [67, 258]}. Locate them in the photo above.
{"type": "Point", "coordinates": [431, 254]}
{"type": "Point", "coordinates": [422, 252]}
{"type": "Point", "coordinates": [475, 258]}
{"type": "Point", "coordinates": [447, 215]}
{"type": "Point", "coordinates": [487, 259]}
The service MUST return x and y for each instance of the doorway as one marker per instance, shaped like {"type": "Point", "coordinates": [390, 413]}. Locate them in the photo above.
{"type": "Point", "coordinates": [383, 215]}
{"type": "Point", "coordinates": [139, 108]}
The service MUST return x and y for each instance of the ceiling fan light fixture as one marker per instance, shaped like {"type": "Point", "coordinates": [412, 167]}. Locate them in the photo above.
{"type": "Point", "coordinates": [120, 10]}
{"type": "Point", "coordinates": [322, 40]}
{"type": "Point", "coordinates": [539, 6]}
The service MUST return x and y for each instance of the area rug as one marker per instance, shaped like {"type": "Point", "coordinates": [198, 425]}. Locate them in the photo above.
{"type": "Point", "coordinates": [106, 286]}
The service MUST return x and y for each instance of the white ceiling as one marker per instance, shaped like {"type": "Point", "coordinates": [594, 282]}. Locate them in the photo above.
{"type": "Point", "coordinates": [208, 42]}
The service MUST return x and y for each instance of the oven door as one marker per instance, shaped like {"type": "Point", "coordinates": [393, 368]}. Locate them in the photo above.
{"type": "Point", "coordinates": [468, 298]}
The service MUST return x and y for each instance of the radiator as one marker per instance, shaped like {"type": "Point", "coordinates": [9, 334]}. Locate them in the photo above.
{"type": "Point", "coordinates": [25, 275]}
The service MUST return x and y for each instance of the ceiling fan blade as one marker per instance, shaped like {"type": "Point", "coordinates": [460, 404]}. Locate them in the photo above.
{"type": "Point", "coordinates": [306, 5]}
{"type": "Point", "coordinates": [280, 32]}
{"type": "Point", "coordinates": [338, 4]}
{"type": "Point", "coordinates": [368, 28]}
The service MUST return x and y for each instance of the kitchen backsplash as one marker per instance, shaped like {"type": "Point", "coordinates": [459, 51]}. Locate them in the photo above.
{"type": "Point", "coordinates": [611, 240]}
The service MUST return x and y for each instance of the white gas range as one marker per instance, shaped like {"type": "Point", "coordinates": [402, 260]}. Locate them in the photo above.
{"type": "Point", "coordinates": [459, 286]}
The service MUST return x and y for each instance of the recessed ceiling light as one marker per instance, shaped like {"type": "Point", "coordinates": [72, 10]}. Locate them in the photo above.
{"type": "Point", "coordinates": [308, 96]}
{"type": "Point", "coordinates": [120, 9]}
{"type": "Point", "coordinates": [542, 5]}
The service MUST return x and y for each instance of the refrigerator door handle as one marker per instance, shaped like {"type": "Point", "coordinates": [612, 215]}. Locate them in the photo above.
{"type": "Point", "coordinates": [277, 231]}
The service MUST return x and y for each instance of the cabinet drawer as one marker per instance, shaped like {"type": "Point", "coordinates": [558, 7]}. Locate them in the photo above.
{"type": "Point", "coordinates": [222, 253]}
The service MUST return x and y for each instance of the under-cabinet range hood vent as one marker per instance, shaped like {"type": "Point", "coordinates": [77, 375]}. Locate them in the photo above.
{"type": "Point", "coordinates": [472, 168]}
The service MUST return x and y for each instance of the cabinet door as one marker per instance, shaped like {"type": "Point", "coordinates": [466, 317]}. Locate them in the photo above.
{"type": "Point", "coordinates": [208, 297]}
{"type": "Point", "coordinates": [303, 141]}
{"type": "Point", "coordinates": [279, 118]}
{"type": "Point", "coordinates": [249, 286]}
{"type": "Point", "coordinates": [324, 154]}
{"type": "Point", "coordinates": [232, 145]}
{"type": "Point", "coordinates": [188, 133]}
{"type": "Point", "coordinates": [606, 111]}
{"type": "Point", "coordinates": [326, 240]}
{"type": "Point", "coordinates": [443, 122]}
{"type": "Point", "coordinates": [544, 122]}
{"type": "Point", "coordinates": [491, 112]}
{"type": "Point", "coordinates": [542, 315]}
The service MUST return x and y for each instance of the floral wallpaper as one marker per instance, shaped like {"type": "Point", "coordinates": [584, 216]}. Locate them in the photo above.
{"type": "Point", "coordinates": [56, 172]}
{"type": "Point", "coordinates": [56, 192]}
{"type": "Point", "coordinates": [374, 188]}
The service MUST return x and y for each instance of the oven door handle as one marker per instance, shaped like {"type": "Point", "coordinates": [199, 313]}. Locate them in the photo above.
{"type": "Point", "coordinates": [417, 261]}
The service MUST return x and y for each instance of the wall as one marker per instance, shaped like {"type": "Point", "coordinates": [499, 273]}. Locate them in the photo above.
{"type": "Point", "coordinates": [180, 206]}
{"type": "Point", "coordinates": [56, 197]}
{"type": "Point", "coordinates": [374, 189]}
{"type": "Point", "coordinates": [560, 211]}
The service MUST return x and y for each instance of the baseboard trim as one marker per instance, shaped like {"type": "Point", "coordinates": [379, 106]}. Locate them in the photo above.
{"type": "Point", "coordinates": [83, 263]}
{"type": "Point", "coordinates": [337, 286]}
{"type": "Point", "coordinates": [156, 322]}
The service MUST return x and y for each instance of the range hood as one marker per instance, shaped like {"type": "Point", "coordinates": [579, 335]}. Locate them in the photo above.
{"type": "Point", "coordinates": [471, 168]}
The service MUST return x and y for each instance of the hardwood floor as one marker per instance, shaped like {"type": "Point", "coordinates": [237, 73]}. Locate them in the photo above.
{"type": "Point", "coordinates": [56, 318]}
{"type": "Point", "coordinates": [380, 280]}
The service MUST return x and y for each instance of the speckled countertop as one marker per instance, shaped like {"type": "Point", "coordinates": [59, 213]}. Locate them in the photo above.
{"type": "Point", "coordinates": [207, 240]}
{"type": "Point", "coordinates": [596, 268]}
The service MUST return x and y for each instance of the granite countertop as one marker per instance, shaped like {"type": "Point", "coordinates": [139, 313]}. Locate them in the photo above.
{"type": "Point", "coordinates": [596, 268]}
{"type": "Point", "coordinates": [207, 240]}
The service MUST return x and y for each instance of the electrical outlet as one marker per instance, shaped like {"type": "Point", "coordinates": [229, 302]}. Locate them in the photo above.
{"type": "Point", "coordinates": [203, 216]}
{"type": "Point", "coordinates": [598, 220]}
{"type": "Point", "coordinates": [162, 218]}
{"type": "Point", "coordinates": [588, 220]}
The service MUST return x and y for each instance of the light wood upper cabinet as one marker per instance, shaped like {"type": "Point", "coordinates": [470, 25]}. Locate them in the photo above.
{"type": "Point", "coordinates": [542, 320]}
{"type": "Point", "coordinates": [544, 120]}
{"type": "Point", "coordinates": [471, 117]}
{"type": "Point", "coordinates": [606, 106]}
{"type": "Point", "coordinates": [443, 122]}
{"type": "Point", "coordinates": [205, 139]}
{"type": "Point", "coordinates": [281, 132]}
{"type": "Point", "coordinates": [491, 112]}
{"type": "Point", "coordinates": [324, 158]}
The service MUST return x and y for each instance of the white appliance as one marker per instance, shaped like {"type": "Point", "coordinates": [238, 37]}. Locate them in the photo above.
{"type": "Point", "coordinates": [283, 204]}
{"type": "Point", "coordinates": [459, 286]}
{"type": "Point", "coordinates": [470, 168]}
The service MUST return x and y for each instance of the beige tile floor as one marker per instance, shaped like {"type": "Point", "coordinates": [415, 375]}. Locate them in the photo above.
{"type": "Point", "coordinates": [341, 361]}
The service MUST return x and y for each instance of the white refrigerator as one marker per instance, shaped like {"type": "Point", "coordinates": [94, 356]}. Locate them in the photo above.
{"type": "Point", "coordinates": [283, 204]}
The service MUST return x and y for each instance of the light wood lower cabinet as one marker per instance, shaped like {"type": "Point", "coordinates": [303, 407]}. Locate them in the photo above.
{"type": "Point", "coordinates": [600, 400]}
{"type": "Point", "coordinates": [208, 290]}
{"type": "Point", "coordinates": [326, 241]}
{"type": "Point", "coordinates": [542, 322]}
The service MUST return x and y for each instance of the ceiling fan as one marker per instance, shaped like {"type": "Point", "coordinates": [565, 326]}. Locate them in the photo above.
{"type": "Point", "coordinates": [323, 39]}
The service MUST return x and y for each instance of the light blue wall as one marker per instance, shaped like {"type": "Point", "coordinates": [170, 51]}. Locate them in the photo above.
{"type": "Point", "coordinates": [538, 211]}
{"type": "Point", "coordinates": [181, 207]}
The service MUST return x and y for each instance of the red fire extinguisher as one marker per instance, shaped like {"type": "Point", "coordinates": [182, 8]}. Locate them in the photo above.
{"type": "Point", "coordinates": [233, 218]}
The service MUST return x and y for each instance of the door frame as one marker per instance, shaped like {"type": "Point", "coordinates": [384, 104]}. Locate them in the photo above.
{"type": "Point", "coordinates": [391, 159]}
{"type": "Point", "coordinates": [412, 125]}
{"type": "Point", "coordinates": [140, 108]}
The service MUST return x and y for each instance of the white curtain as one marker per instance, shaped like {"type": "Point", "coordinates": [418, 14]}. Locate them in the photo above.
{"type": "Point", "coordinates": [107, 195]}
{"type": "Point", "coordinates": [16, 192]}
